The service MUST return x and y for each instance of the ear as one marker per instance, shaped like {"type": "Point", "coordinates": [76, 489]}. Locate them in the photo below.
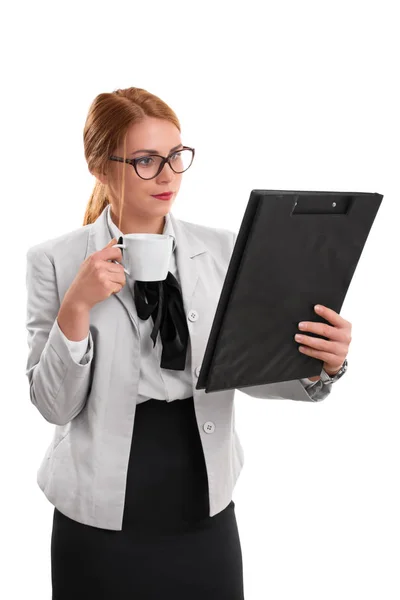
{"type": "Point", "coordinates": [100, 176]}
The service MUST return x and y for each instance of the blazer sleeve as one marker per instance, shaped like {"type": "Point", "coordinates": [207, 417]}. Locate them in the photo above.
{"type": "Point", "coordinates": [77, 349]}
{"type": "Point", "coordinates": [296, 389]}
{"type": "Point", "coordinates": [58, 384]}
{"type": "Point", "coordinates": [289, 390]}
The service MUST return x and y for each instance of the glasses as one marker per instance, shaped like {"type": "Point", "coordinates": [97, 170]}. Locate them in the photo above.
{"type": "Point", "coordinates": [148, 167]}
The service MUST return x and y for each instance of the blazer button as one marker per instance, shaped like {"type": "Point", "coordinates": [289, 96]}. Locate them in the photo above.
{"type": "Point", "coordinates": [197, 371]}
{"type": "Point", "coordinates": [209, 427]}
{"type": "Point", "coordinates": [193, 315]}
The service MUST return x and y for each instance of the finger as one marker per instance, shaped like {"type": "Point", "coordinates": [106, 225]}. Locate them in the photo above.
{"type": "Point", "coordinates": [113, 267]}
{"type": "Point", "coordinates": [116, 286]}
{"type": "Point", "coordinates": [321, 345]}
{"type": "Point", "coordinates": [110, 243]}
{"type": "Point", "coordinates": [117, 276]}
{"type": "Point", "coordinates": [330, 315]}
{"type": "Point", "coordinates": [324, 356]}
{"type": "Point", "coordinates": [114, 291]}
{"type": "Point", "coordinates": [327, 331]}
{"type": "Point", "coordinates": [110, 253]}
{"type": "Point", "coordinates": [121, 265]}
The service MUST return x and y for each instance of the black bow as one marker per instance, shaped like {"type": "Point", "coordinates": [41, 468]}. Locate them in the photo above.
{"type": "Point", "coordinates": [165, 305]}
{"type": "Point", "coordinates": [164, 299]}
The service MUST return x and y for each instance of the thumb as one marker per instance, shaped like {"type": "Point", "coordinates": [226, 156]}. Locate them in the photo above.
{"type": "Point", "coordinates": [111, 242]}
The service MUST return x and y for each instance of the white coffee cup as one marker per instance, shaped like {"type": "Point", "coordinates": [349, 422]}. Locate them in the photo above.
{"type": "Point", "coordinates": [146, 256]}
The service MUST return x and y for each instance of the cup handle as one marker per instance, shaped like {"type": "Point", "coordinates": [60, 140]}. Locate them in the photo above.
{"type": "Point", "coordinates": [115, 261]}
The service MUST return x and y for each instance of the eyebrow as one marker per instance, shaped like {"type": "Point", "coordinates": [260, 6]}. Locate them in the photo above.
{"type": "Point", "coordinates": [155, 151]}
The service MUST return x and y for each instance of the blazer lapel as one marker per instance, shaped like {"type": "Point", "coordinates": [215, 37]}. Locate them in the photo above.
{"type": "Point", "coordinates": [188, 249]}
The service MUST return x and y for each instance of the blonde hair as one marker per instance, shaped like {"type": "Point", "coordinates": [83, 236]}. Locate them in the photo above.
{"type": "Point", "coordinates": [109, 118]}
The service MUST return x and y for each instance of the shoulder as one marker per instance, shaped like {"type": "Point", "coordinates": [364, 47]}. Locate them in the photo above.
{"type": "Point", "coordinates": [215, 238]}
{"type": "Point", "coordinates": [66, 245]}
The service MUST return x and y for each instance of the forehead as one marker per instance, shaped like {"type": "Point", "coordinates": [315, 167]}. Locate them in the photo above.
{"type": "Point", "coordinates": [152, 133]}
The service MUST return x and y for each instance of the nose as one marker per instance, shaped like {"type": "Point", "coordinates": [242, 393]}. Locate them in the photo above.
{"type": "Point", "coordinates": [166, 173]}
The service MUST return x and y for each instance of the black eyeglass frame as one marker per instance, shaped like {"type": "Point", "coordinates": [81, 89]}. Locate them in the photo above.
{"type": "Point", "coordinates": [133, 161]}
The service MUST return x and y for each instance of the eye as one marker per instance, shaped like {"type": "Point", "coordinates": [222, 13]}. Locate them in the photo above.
{"type": "Point", "coordinates": [144, 164]}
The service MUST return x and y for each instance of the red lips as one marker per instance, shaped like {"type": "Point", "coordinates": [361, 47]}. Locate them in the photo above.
{"type": "Point", "coordinates": [163, 196]}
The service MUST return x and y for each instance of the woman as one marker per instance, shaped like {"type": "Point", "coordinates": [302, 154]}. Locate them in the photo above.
{"type": "Point", "coordinates": [142, 465]}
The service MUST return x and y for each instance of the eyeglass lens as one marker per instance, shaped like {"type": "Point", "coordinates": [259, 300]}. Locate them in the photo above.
{"type": "Point", "coordinates": [147, 166]}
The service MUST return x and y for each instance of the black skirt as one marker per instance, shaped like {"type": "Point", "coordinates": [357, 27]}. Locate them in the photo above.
{"type": "Point", "coordinates": [169, 547]}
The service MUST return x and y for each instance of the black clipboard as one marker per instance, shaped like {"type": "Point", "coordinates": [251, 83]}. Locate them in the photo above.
{"type": "Point", "coordinates": [294, 249]}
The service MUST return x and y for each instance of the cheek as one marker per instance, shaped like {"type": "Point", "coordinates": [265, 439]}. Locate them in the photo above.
{"type": "Point", "coordinates": [176, 184]}
{"type": "Point", "coordinates": [137, 188]}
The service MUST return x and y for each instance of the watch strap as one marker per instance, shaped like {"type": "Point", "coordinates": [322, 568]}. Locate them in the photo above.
{"type": "Point", "coordinates": [326, 378]}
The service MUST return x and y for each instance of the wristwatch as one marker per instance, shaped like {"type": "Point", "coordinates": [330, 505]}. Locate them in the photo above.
{"type": "Point", "coordinates": [325, 378]}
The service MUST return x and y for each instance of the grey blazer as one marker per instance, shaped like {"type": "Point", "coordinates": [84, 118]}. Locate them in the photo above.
{"type": "Point", "coordinates": [92, 404]}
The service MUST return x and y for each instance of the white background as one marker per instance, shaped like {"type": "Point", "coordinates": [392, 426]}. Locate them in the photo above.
{"type": "Point", "coordinates": [280, 95]}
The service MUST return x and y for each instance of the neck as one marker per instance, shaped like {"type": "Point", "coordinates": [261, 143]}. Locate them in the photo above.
{"type": "Point", "coordinates": [138, 224]}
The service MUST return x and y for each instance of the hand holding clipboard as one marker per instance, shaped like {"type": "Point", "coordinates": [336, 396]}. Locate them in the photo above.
{"type": "Point", "coordinates": [294, 249]}
{"type": "Point", "coordinates": [334, 349]}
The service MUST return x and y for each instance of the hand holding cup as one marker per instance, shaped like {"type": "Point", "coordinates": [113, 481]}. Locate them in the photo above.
{"type": "Point", "coordinates": [99, 276]}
